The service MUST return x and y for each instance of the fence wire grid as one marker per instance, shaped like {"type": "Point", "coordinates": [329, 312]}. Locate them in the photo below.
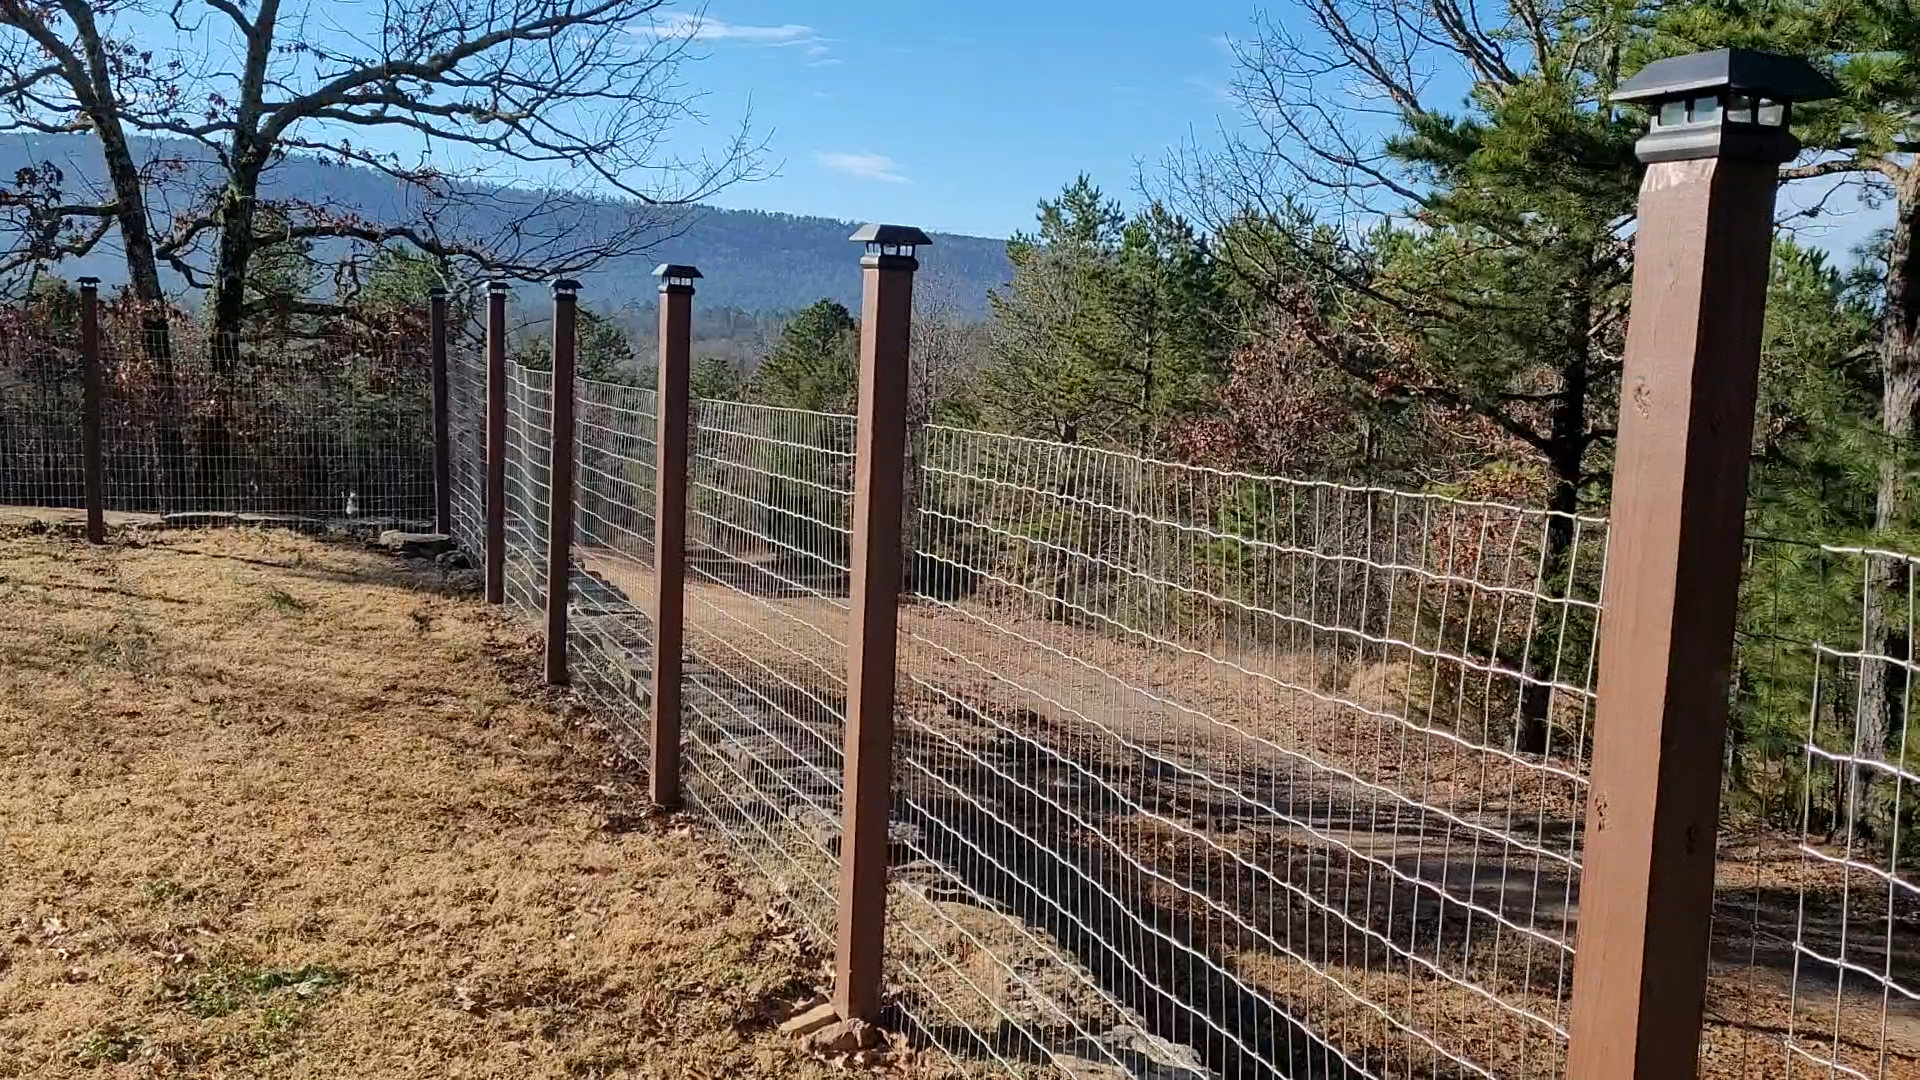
{"type": "Point", "coordinates": [1196, 772]}
{"type": "Point", "coordinates": [332, 429]}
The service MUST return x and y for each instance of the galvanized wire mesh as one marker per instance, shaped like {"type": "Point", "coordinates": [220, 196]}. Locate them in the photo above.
{"type": "Point", "coordinates": [467, 447]}
{"type": "Point", "coordinates": [529, 443]}
{"type": "Point", "coordinates": [332, 429]}
{"type": "Point", "coordinates": [1237, 773]}
{"type": "Point", "coordinates": [1856, 952]}
{"type": "Point", "coordinates": [1789, 903]}
{"type": "Point", "coordinates": [610, 628]}
{"type": "Point", "coordinates": [769, 502]}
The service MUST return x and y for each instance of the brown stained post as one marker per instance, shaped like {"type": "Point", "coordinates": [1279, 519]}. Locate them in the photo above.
{"type": "Point", "coordinates": [670, 527]}
{"type": "Point", "coordinates": [1673, 572]}
{"type": "Point", "coordinates": [560, 481]}
{"type": "Point", "coordinates": [91, 405]}
{"type": "Point", "coordinates": [494, 560]}
{"type": "Point", "coordinates": [879, 464]}
{"type": "Point", "coordinates": [437, 353]}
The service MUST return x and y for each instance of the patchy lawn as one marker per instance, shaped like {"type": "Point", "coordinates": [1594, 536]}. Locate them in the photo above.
{"type": "Point", "coordinates": [276, 808]}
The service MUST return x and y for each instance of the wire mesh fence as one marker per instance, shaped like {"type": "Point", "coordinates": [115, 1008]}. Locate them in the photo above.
{"type": "Point", "coordinates": [331, 427]}
{"type": "Point", "coordinates": [1289, 775]}
{"type": "Point", "coordinates": [1815, 917]}
{"type": "Point", "coordinates": [1196, 772]}
{"type": "Point", "coordinates": [769, 505]}
{"type": "Point", "coordinates": [610, 628]}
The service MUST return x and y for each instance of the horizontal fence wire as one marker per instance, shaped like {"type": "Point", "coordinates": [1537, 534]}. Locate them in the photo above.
{"type": "Point", "coordinates": [529, 439]}
{"type": "Point", "coordinates": [610, 626]}
{"type": "Point", "coordinates": [331, 429]}
{"type": "Point", "coordinates": [1821, 660]}
{"type": "Point", "coordinates": [1856, 951]}
{"type": "Point", "coordinates": [467, 447]}
{"type": "Point", "coordinates": [1235, 774]}
{"type": "Point", "coordinates": [769, 507]}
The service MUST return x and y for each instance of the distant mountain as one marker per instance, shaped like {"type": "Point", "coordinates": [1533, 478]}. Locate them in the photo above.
{"type": "Point", "coordinates": [754, 261]}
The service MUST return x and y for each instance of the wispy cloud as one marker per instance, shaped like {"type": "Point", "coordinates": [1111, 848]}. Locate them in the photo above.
{"type": "Point", "coordinates": [829, 62]}
{"type": "Point", "coordinates": [1215, 90]}
{"type": "Point", "coordinates": [865, 166]}
{"type": "Point", "coordinates": [707, 28]}
{"type": "Point", "coordinates": [815, 48]}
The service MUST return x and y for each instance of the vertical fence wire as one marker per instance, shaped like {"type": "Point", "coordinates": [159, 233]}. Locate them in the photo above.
{"type": "Point", "coordinates": [769, 510]}
{"type": "Point", "coordinates": [610, 631]}
{"type": "Point", "coordinates": [529, 442]}
{"type": "Point", "coordinates": [328, 428]}
{"type": "Point", "coordinates": [467, 444]}
{"type": "Point", "coordinates": [1856, 948]}
{"type": "Point", "coordinates": [1238, 774]}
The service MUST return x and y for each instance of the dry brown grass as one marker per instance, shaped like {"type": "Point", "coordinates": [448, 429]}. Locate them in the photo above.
{"type": "Point", "coordinates": [276, 808]}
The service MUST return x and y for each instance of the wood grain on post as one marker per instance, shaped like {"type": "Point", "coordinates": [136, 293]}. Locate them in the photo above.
{"type": "Point", "coordinates": [92, 402]}
{"type": "Point", "coordinates": [1673, 574]}
{"type": "Point", "coordinates": [670, 527]}
{"type": "Point", "coordinates": [494, 559]}
{"type": "Point", "coordinates": [437, 362]}
{"type": "Point", "coordinates": [560, 480]}
{"type": "Point", "coordinates": [879, 464]}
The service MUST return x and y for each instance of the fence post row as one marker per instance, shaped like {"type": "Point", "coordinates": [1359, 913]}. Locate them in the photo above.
{"type": "Point", "coordinates": [670, 525]}
{"type": "Point", "coordinates": [560, 480]}
{"type": "Point", "coordinates": [879, 464]}
{"type": "Point", "coordinates": [494, 560]}
{"type": "Point", "coordinates": [93, 460]}
{"type": "Point", "coordinates": [1673, 562]}
{"type": "Point", "coordinates": [437, 355]}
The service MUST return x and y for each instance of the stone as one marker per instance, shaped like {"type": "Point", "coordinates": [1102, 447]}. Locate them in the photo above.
{"type": "Point", "coordinates": [415, 545]}
{"type": "Point", "coordinates": [453, 560]}
{"type": "Point", "coordinates": [845, 1037]}
{"type": "Point", "coordinates": [808, 1021]}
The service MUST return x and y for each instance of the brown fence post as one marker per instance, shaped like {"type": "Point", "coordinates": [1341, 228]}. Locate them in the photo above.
{"type": "Point", "coordinates": [879, 463]}
{"type": "Point", "coordinates": [670, 525]}
{"type": "Point", "coordinates": [91, 404]}
{"type": "Point", "coordinates": [560, 480]}
{"type": "Point", "coordinates": [1673, 562]}
{"type": "Point", "coordinates": [442, 441]}
{"type": "Point", "coordinates": [494, 561]}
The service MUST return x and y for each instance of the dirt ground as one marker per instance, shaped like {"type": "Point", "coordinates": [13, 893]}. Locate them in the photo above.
{"type": "Point", "coordinates": [275, 808]}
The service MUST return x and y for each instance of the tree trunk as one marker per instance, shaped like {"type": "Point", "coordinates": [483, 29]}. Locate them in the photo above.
{"type": "Point", "coordinates": [1566, 456]}
{"type": "Point", "coordinates": [143, 280]}
{"type": "Point", "coordinates": [1899, 395]}
{"type": "Point", "coordinates": [227, 316]}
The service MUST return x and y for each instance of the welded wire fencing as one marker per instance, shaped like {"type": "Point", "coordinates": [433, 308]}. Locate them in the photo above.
{"type": "Point", "coordinates": [331, 427]}
{"type": "Point", "coordinates": [1195, 772]}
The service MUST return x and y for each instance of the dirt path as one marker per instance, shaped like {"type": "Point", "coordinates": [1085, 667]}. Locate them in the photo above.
{"type": "Point", "coordinates": [274, 808]}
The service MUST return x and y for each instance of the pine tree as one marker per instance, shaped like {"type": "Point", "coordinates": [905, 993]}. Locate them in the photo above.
{"type": "Point", "coordinates": [813, 365]}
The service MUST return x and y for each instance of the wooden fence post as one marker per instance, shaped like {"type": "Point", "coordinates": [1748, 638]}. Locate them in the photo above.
{"type": "Point", "coordinates": [91, 393]}
{"type": "Point", "coordinates": [879, 462]}
{"type": "Point", "coordinates": [442, 443]}
{"type": "Point", "coordinates": [1673, 562]}
{"type": "Point", "coordinates": [560, 480]}
{"type": "Point", "coordinates": [670, 526]}
{"type": "Point", "coordinates": [494, 561]}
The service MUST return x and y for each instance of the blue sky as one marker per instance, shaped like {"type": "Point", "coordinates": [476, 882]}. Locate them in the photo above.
{"type": "Point", "coordinates": [960, 115]}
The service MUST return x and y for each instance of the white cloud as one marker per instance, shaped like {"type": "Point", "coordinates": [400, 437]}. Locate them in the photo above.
{"type": "Point", "coordinates": [815, 48]}
{"type": "Point", "coordinates": [830, 62]}
{"type": "Point", "coordinates": [706, 28]}
{"type": "Point", "coordinates": [865, 166]}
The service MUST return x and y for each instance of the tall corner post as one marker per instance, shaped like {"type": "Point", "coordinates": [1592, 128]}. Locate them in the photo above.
{"type": "Point", "coordinates": [566, 306]}
{"type": "Point", "coordinates": [671, 420]}
{"type": "Point", "coordinates": [92, 403]}
{"type": "Point", "coordinates": [442, 439]}
{"type": "Point", "coordinates": [494, 543]}
{"type": "Point", "coordinates": [879, 465]}
{"type": "Point", "coordinates": [1701, 253]}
